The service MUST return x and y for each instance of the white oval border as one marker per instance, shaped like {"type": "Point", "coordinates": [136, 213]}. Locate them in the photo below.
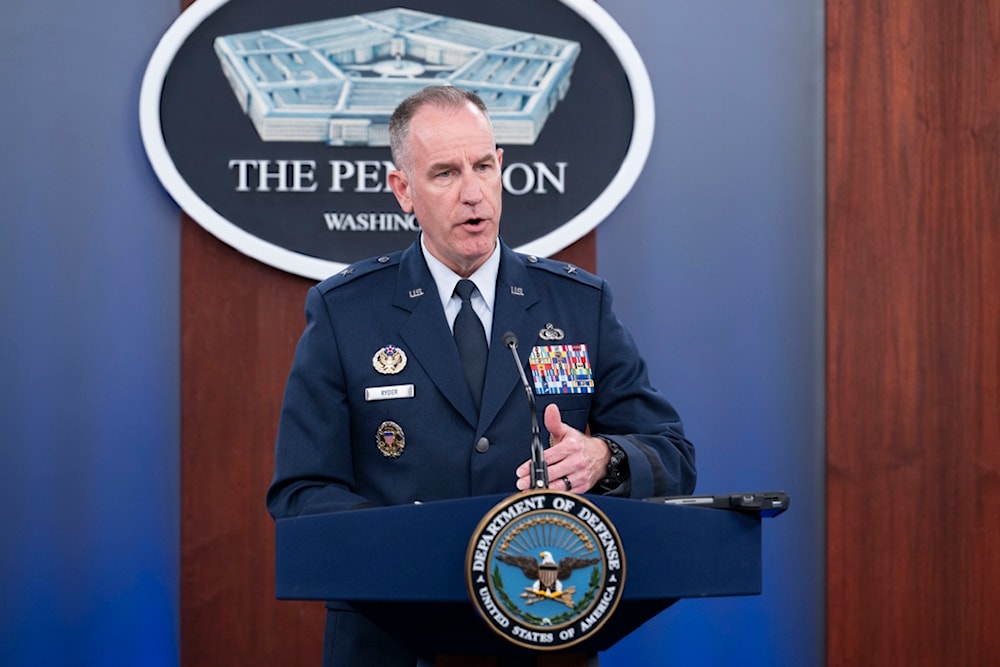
{"type": "Point", "coordinates": [318, 269]}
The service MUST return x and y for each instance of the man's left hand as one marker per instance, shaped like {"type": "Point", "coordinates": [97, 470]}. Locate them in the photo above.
{"type": "Point", "coordinates": [576, 461]}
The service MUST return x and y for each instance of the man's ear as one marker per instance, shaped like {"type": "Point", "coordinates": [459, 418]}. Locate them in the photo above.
{"type": "Point", "coordinates": [400, 186]}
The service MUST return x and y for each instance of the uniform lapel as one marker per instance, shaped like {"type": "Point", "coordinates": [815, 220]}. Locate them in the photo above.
{"type": "Point", "coordinates": [514, 297]}
{"type": "Point", "coordinates": [426, 332]}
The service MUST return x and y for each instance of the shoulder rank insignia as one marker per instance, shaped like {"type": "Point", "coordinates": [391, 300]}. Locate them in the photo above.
{"type": "Point", "coordinates": [390, 439]}
{"type": "Point", "coordinates": [389, 360]}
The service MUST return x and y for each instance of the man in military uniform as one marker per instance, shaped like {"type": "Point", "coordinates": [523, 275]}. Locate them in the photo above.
{"type": "Point", "coordinates": [383, 405]}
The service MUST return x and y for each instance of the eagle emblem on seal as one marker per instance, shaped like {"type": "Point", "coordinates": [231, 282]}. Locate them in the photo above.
{"type": "Point", "coordinates": [547, 575]}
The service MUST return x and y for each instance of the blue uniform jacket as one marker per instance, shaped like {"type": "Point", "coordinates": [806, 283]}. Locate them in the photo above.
{"type": "Point", "coordinates": [328, 456]}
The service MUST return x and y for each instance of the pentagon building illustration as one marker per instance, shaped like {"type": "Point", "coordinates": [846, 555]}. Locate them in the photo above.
{"type": "Point", "coordinates": [338, 81]}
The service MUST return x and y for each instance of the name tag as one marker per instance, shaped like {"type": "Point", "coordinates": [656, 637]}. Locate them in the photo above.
{"type": "Point", "coordinates": [385, 393]}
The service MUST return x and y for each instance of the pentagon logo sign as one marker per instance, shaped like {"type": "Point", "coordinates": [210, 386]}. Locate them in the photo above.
{"type": "Point", "coordinates": [267, 122]}
{"type": "Point", "coordinates": [545, 569]}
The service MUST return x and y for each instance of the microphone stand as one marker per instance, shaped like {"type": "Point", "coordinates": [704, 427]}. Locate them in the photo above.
{"type": "Point", "coordinates": [539, 469]}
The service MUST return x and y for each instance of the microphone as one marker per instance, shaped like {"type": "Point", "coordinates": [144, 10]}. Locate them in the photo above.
{"type": "Point", "coordinates": [539, 469]}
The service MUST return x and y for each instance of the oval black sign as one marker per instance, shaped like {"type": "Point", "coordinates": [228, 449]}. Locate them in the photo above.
{"type": "Point", "coordinates": [266, 121]}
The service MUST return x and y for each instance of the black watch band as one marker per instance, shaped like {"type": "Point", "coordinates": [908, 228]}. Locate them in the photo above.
{"type": "Point", "coordinates": [617, 471]}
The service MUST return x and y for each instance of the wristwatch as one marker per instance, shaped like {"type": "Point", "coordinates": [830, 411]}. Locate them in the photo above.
{"type": "Point", "coordinates": [617, 471]}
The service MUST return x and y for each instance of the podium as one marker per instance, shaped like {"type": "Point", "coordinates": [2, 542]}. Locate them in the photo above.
{"type": "Point", "coordinates": [403, 567]}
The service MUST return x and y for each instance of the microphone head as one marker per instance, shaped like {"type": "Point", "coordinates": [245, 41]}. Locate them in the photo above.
{"type": "Point", "coordinates": [510, 340]}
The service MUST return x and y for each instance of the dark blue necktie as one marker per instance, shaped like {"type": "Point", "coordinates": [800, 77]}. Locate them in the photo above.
{"type": "Point", "coordinates": [471, 340]}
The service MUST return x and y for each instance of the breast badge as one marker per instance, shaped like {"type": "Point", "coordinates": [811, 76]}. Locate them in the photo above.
{"type": "Point", "coordinates": [390, 439]}
{"type": "Point", "coordinates": [389, 360]}
{"type": "Point", "coordinates": [545, 569]}
{"type": "Point", "coordinates": [551, 333]}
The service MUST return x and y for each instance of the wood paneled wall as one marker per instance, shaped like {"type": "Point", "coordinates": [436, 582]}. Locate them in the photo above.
{"type": "Point", "coordinates": [240, 321]}
{"type": "Point", "coordinates": [913, 331]}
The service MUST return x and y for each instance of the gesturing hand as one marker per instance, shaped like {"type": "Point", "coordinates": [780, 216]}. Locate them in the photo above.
{"type": "Point", "coordinates": [576, 461]}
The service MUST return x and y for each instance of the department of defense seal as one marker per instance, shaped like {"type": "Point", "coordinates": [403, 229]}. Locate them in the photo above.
{"type": "Point", "coordinates": [545, 569]}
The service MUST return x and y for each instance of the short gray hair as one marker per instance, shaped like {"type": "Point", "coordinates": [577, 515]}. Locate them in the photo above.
{"type": "Point", "coordinates": [443, 97]}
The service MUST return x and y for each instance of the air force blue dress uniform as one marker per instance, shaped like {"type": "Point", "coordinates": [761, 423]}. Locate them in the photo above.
{"type": "Point", "coordinates": [358, 432]}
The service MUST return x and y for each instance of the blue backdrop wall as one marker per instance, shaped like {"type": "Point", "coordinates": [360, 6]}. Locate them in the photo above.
{"type": "Point", "coordinates": [716, 257]}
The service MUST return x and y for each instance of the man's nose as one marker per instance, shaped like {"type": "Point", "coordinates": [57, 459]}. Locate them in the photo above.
{"type": "Point", "coordinates": [472, 188]}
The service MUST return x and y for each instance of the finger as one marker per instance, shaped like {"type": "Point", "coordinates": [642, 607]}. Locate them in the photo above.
{"type": "Point", "coordinates": [554, 423]}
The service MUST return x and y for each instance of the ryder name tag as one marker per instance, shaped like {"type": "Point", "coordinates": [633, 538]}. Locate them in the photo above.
{"type": "Point", "coordinates": [390, 392]}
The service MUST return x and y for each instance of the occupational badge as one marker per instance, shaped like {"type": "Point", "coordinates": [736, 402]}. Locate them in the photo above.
{"type": "Point", "coordinates": [545, 569]}
{"type": "Point", "coordinates": [389, 360]}
{"type": "Point", "coordinates": [561, 369]}
{"type": "Point", "coordinates": [390, 439]}
{"type": "Point", "coordinates": [551, 333]}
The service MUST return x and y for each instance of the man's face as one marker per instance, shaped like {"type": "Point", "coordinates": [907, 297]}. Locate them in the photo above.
{"type": "Point", "coordinates": [452, 184]}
